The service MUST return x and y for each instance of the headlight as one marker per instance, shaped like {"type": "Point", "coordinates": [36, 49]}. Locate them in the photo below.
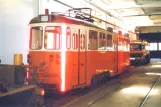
{"type": "Point", "coordinates": [40, 91]}
{"type": "Point", "coordinates": [28, 58]}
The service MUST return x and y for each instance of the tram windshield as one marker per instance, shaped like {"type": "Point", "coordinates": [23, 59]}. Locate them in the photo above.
{"type": "Point", "coordinates": [136, 46]}
{"type": "Point", "coordinates": [36, 37]}
{"type": "Point", "coordinates": [52, 38]}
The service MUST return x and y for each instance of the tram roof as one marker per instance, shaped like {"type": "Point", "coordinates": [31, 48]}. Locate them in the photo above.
{"type": "Point", "coordinates": [66, 19]}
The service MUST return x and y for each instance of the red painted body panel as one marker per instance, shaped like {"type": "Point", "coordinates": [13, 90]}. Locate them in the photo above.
{"type": "Point", "coordinates": [77, 73]}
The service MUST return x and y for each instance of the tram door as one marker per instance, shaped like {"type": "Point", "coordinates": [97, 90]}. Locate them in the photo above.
{"type": "Point", "coordinates": [115, 42]}
{"type": "Point", "coordinates": [81, 57]}
{"type": "Point", "coordinates": [120, 53]}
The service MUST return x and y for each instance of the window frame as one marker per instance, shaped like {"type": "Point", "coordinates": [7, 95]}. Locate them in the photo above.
{"type": "Point", "coordinates": [31, 35]}
{"type": "Point", "coordinates": [95, 37]}
{"type": "Point", "coordinates": [104, 37]}
{"type": "Point", "coordinates": [56, 47]}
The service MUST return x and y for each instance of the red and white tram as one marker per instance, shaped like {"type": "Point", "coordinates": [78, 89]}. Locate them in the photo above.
{"type": "Point", "coordinates": [74, 53]}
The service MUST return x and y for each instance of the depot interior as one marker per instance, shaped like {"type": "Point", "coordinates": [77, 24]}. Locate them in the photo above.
{"type": "Point", "coordinates": [139, 17]}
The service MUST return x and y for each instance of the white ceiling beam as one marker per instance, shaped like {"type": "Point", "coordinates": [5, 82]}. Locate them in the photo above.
{"type": "Point", "coordinates": [136, 15]}
{"type": "Point", "coordinates": [156, 21]}
{"type": "Point", "coordinates": [150, 25]}
{"type": "Point", "coordinates": [155, 17]}
{"type": "Point", "coordinates": [132, 6]}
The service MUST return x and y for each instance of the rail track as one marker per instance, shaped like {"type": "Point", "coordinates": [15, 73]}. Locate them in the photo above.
{"type": "Point", "coordinates": [150, 91]}
{"type": "Point", "coordinates": [102, 87]}
{"type": "Point", "coordinates": [142, 102]}
{"type": "Point", "coordinates": [109, 93]}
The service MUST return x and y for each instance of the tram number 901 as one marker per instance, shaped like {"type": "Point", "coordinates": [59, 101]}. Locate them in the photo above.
{"type": "Point", "coordinates": [47, 75]}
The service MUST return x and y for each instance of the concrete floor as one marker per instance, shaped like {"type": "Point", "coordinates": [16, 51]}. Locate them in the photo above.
{"type": "Point", "coordinates": [126, 91]}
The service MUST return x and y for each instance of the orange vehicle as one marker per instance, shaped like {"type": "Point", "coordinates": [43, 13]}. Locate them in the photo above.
{"type": "Point", "coordinates": [72, 52]}
{"type": "Point", "coordinates": [139, 52]}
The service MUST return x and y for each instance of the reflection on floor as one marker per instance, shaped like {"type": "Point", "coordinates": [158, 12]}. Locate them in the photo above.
{"type": "Point", "coordinates": [154, 60]}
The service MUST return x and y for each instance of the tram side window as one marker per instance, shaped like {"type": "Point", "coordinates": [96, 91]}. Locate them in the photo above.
{"type": "Point", "coordinates": [102, 41]}
{"type": "Point", "coordinates": [115, 43]}
{"type": "Point", "coordinates": [82, 41]}
{"type": "Point", "coordinates": [74, 41]}
{"type": "Point", "coordinates": [93, 40]}
{"type": "Point", "coordinates": [120, 44]}
{"type": "Point", "coordinates": [36, 36]}
{"type": "Point", "coordinates": [127, 45]}
{"type": "Point", "coordinates": [109, 42]}
{"type": "Point", "coordinates": [52, 37]}
{"type": "Point", "coordinates": [68, 37]}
